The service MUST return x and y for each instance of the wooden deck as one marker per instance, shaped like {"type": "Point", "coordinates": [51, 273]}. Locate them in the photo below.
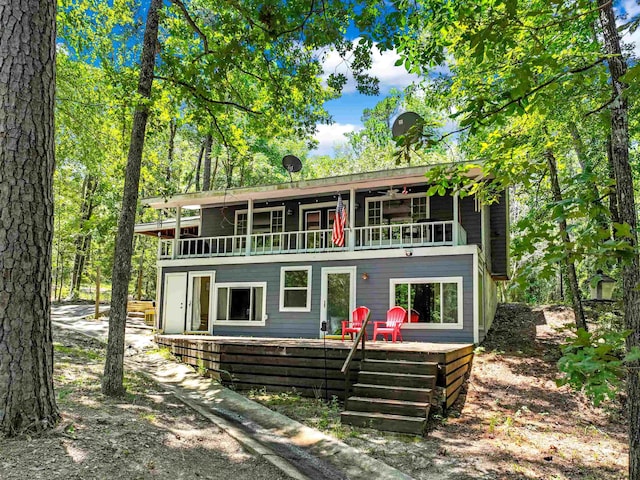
{"type": "Point", "coordinates": [280, 364]}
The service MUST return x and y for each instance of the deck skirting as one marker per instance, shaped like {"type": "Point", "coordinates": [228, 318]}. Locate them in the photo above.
{"type": "Point", "coordinates": [299, 364]}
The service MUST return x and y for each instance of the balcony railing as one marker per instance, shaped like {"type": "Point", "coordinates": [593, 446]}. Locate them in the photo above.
{"type": "Point", "coordinates": [313, 241]}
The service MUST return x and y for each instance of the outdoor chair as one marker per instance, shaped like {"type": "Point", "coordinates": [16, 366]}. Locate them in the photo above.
{"type": "Point", "coordinates": [358, 317]}
{"type": "Point", "coordinates": [396, 316]}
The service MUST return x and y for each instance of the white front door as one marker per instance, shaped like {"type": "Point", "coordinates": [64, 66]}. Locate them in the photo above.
{"type": "Point", "coordinates": [200, 303]}
{"type": "Point", "coordinates": [173, 307]}
{"type": "Point", "coordinates": [337, 297]}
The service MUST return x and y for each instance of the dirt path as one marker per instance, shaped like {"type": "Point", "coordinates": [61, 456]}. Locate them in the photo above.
{"type": "Point", "coordinates": [146, 435]}
{"type": "Point", "coordinates": [514, 423]}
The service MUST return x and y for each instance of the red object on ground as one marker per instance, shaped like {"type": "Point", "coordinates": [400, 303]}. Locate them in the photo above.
{"type": "Point", "coordinates": [396, 316]}
{"type": "Point", "coordinates": [358, 316]}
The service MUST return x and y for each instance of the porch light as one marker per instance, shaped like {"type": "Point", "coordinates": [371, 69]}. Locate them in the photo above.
{"type": "Point", "coordinates": [289, 212]}
{"type": "Point", "coordinates": [365, 276]}
{"type": "Point", "coordinates": [603, 288]}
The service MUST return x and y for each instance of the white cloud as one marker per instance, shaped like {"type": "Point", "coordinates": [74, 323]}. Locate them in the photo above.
{"type": "Point", "coordinates": [630, 9]}
{"type": "Point", "coordinates": [383, 67]}
{"type": "Point", "coordinates": [331, 136]}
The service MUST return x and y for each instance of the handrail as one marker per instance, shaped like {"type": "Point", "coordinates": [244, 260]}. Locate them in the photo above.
{"type": "Point", "coordinates": [347, 363]}
{"type": "Point", "coordinates": [405, 235]}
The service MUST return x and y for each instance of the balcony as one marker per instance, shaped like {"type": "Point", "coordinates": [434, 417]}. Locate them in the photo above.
{"type": "Point", "coordinates": [427, 234]}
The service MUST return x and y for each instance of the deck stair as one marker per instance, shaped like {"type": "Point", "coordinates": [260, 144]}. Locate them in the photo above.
{"type": "Point", "coordinates": [392, 395]}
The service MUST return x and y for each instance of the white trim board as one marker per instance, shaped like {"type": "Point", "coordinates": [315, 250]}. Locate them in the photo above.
{"type": "Point", "coordinates": [312, 206]}
{"type": "Point", "coordinates": [476, 307]}
{"type": "Point", "coordinates": [399, 196]}
{"type": "Point", "coordinates": [240, 323]}
{"type": "Point", "coordinates": [459, 281]}
{"type": "Point", "coordinates": [258, 210]}
{"type": "Point", "coordinates": [199, 274]}
{"type": "Point", "coordinates": [323, 256]}
{"type": "Point", "coordinates": [298, 268]}
{"type": "Point", "coordinates": [352, 270]}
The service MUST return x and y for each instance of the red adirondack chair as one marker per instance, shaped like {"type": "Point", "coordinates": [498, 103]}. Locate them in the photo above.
{"type": "Point", "coordinates": [396, 316]}
{"type": "Point", "coordinates": [358, 316]}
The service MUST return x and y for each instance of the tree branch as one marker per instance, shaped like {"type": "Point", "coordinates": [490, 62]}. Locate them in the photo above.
{"type": "Point", "coordinates": [602, 107]}
{"type": "Point", "coordinates": [574, 17]}
{"type": "Point", "coordinates": [195, 93]}
{"type": "Point", "coordinates": [192, 24]}
{"type": "Point", "coordinates": [304, 21]}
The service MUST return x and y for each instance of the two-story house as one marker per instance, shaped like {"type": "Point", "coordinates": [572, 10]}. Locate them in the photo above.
{"type": "Point", "coordinates": [261, 262]}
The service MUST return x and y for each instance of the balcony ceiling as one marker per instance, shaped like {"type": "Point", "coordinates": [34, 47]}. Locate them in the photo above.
{"type": "Point", "coordinates": [303, 188]}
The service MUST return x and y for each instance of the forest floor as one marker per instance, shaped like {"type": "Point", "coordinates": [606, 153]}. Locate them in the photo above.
{"type": "Point", "coordinates": [512, 423]}
{"type": "Point", "coordinates": [148, 434]}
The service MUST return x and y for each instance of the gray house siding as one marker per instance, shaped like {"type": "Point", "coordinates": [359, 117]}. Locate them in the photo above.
{"type": "Point", "coordinates": [499, 238]}
{"type": "Point", "coordinates": [373, 293]}
{"type": "Point", "coordinates": [219, 221]}
{"type": "Point", "coordinates": [471, 220]}
{"type": "Point", "coordinates": [441, 208]}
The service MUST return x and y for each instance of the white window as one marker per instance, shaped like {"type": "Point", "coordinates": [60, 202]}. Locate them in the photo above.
{"type": "Point", "coordinates": [397, 209]}
{"type": "Point", "coordinates": [265, 220]}
{"type": "Point", "coordinates": [295, 289]}
{"type": "Point", "coordinates": [242, 304]}
{"type": "Point", "coordinates": [431, 302]}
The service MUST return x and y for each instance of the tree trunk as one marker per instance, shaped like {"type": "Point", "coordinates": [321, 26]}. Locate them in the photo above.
{"type": "Point", "coordinates": [83, 240]}
{"type": "Point", "coordinates": [27, 102]}
{"type": "Point", "coordinates": [199, 166]}
{"type": "Point", "coordinates": [627, 212]}
{"type": "Point", "coordinates": [113, 367]}
{"type": "Point", "coordinates": [173, 128]}
{"type": "Point", "coordinates": [613, 197]}
{"type": "Point", "coordinates": [140, 271]}
{"type": "Point", "coordinates": [59, 294]}
{"type": "Point", "coordinates": [566, 240]}
{"type": "Point", "coordinates": [206, 173]}
{"type": "Point", "coordinates": [215, 168]}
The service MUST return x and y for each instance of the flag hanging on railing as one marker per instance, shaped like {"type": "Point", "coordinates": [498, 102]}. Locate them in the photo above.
{"type": "Point", "coordinates": [339, 223]}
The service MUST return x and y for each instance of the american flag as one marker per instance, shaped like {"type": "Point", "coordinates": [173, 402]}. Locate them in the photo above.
{"type": "Point", "coordinates": [339, 222]}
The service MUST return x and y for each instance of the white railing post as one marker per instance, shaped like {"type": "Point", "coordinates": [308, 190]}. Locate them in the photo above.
{"type": "Point", "coordinates": [249, 227]}
{"type": "Point", "coordinates": [176, 236]}
{"type": "Point", "coordinates": [352, 220]}
{"type": "Point", "coordinates": [454, 233]}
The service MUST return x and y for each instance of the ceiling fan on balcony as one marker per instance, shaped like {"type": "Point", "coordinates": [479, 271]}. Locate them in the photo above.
{"type": "Point", "coordinates": [392, 192]}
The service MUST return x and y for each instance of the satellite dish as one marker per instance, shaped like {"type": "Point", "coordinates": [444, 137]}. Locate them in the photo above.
{"type": "Point", "coordinates": [291, 164]}
{"type": "Point", "coordinates": [405, 122]}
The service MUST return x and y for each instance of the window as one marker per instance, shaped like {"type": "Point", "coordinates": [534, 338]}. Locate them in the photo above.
{"type": "Point", "coordinates": [295, 289]}
{"type": "Point", "coordinates": [265, 220]}
{"type": "Point", "coordinates": [400, 209]}
{"type": "Point", "coordinates": [266, 223]}
{"type": "Point", "coordinates": [241, 303]}
{"type": "Point", "coordinates": [432, 302]}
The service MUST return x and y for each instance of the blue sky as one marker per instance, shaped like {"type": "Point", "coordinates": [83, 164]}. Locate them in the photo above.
{"type": "Point", "coordinates": [347, 110]}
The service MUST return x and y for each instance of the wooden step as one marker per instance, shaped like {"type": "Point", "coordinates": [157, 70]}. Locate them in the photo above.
{"type": "Point", "coordinates": [387, 405]}
{"type": "Point", "coordinates": [397, 379]}
{"type": "Point", "coordinates": [392, 392]}
{"type": "Point", "coordinates": [400, 366]}
{"type": "Point", "coordinates": [386, 422]}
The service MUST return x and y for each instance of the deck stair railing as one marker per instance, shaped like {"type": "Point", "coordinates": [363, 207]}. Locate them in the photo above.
{"type": "Point", "coordinates": [360, 337]}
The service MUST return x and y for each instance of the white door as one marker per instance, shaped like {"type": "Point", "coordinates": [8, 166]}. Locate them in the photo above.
{"type": "Point", "coordinates": [338, 297]}
{"type": "Point", "coordinates": [173, 308]}
{"type": "Point", "coordinates": [200, 301]}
